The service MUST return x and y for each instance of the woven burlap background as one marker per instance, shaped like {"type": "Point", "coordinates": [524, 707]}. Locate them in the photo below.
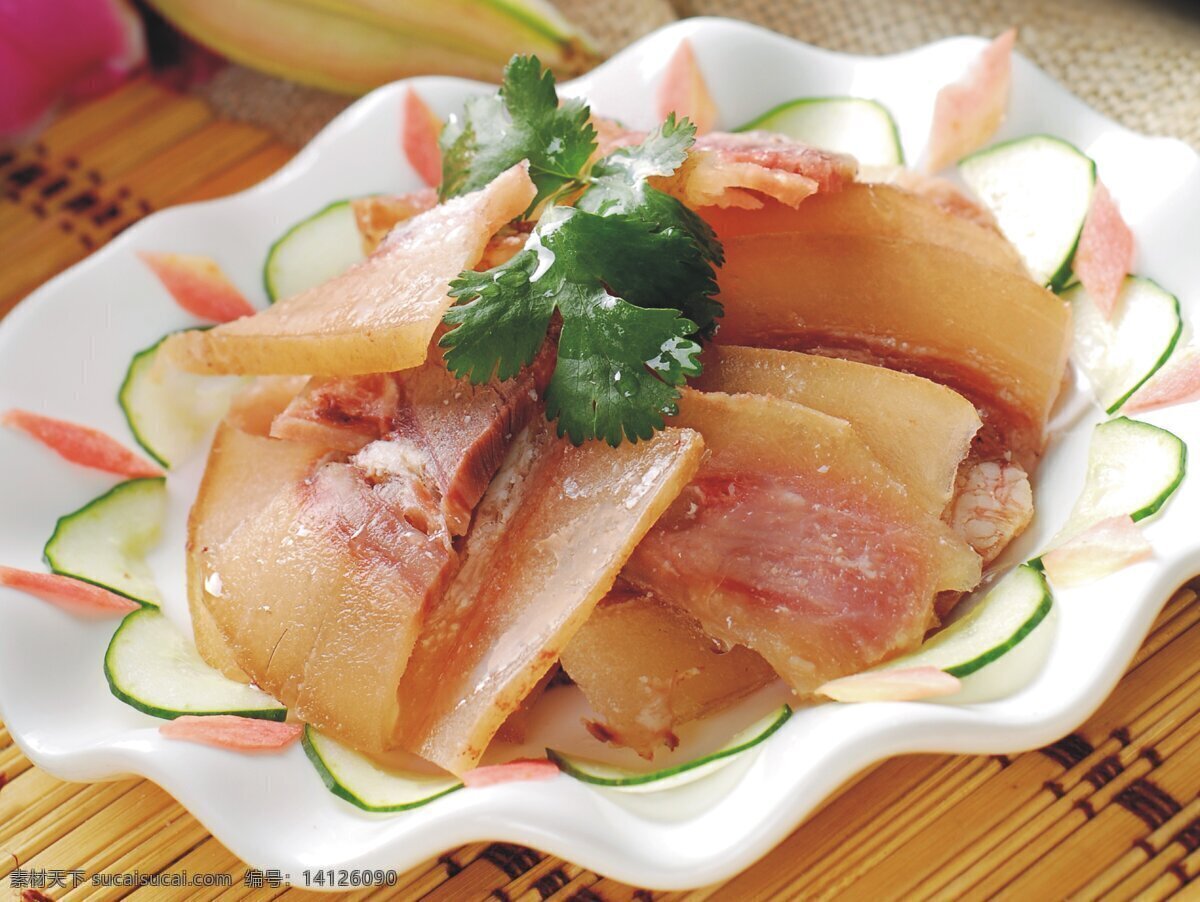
{"type": "Point", "coordinates": [1138, 62]}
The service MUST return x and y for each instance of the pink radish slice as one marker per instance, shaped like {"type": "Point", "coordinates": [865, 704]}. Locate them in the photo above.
{"type": "Point", "coordinates": [1105, 253]}
{"type": "Point", "coordinates": [198, 286]}
{"type": "Point", "coordinates": [1104, 548]}
{"type": "Point", "coordinates": [521, 769]}
{"type": "Point", "coordinates": [901, 685]}
{"type": "Point", "coordinates": [968, 112]}
{"type": "Point", "coordinates": [684, 92]}
{"type": "Point", "coordinates": [1175, 383]}
{"type": "Point", "coordinates": [229, 731]}
{"type": "Point", "coordinates": [72, 595]}
{"type": "Point", "coordinates": [419, 138]}
{"type": "Point", "coordinates": [81, 444]}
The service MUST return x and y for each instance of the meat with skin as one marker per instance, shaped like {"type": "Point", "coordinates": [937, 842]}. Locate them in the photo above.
{"type": "Point", "coordinates": [547, 542]}
{"type": "Point", "coordinates": [376, 317]}
{"type": "Point", "coordinates": [647, 667]}
{"type": "Point", "coordinates": [795, 542]}
{"type": "Point", "coordinates": [458, 431]}
{"type": "Point", "coordinates": [872, 209]}
{"type": "Point", "coordinates": [919, 430]}
{"type": "Point", "coordinates": [741, 170]}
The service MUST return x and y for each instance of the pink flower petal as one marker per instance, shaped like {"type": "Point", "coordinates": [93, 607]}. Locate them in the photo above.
{"type": "Point", "coordinates": [419, 138]}
{"type": "Point", "coordinates": [81, 444]}
{"type": "Point", "coordinates": [1105, 253]}
{"type": "Point", "coordinates": [72, 595]}
{"type": "Point", "coordinates": [968, 112]}
{"type": "Point", "coordinates": [1101, 549]}
{"type": "Point", "coordinates": [229, 731]}
{"type": "Point", "coordinates": [901, 685]}
{"type": "Point", "coordinates": [684, 92]}
{"type": "Point", "coordinates": [1178, 381]}
{"type": "Point", "coordinates": [521, 769]}
{"type": "Point", "coordinates": [198, 286]}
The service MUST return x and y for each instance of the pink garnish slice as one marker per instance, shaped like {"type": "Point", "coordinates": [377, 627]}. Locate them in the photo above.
{"type": "Point", "coordinates": [229, 731]}
{"type": "Point", "coordinates": [1175, 383]}
{"type": "Point", "coordinates": [198, 286]}
{"type": "Point", "coordinates": [1105, 253]}
{"type": "Point", "coordinates": [684, 92]}
{"type": "Point", "coordinates": [70, 594]}
{"type": "Point", "coordinates": [1101, 549]}
{"type": "Point", "coordinates": [419, 138]}
{"type": "Point", "coordinates": [521, 769]}
{"type": "Point", "coordinates": [968, 112]}
{"type": "Point", "coordinates": [901, 685]}
{"type": "Point", "coordinates": [81, 444]}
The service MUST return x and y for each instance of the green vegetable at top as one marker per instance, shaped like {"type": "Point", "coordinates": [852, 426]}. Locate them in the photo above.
{"type": "Point", "coordinates": [628, 268]}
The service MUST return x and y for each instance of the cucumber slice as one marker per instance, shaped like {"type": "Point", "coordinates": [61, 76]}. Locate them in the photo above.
{"type": "Point", "coordinates": [170, 411]}
{"type": "Point", "coordinates": [601, 774]}
{"type": "Point", "coordinates": [1133, 468]}
{"type": "Point", "coordinates": [152, 666]}
{"type": "Point", "coordinates": [106, 540]}
{"type": "Point", "coordinates": [1039, 189]}
{"type": "Point", "coordinates": [1118, 355]}
{"type": "Point", "coordinates": [312, 251]}
{"type": "Point", "coordinates": [993, 627]}
{"type": "Point", "coordinates": [362, 782]}
{"type": "Point", "coordinates": [863, 128]}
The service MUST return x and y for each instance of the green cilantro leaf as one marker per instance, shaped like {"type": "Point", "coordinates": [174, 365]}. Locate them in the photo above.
{"type": "Point", "coordinates": [524, 121]}
{"type": "Point", "coordinates": [629, 269]}
{"type": "Point", "coordinates": [619, 358]}
{"type": "Point", "coordinates": [620, 184]}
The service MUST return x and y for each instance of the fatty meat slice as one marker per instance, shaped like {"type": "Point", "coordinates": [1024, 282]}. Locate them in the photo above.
{"type": "Point", "coordinates": [794, 541]}
{"type": "Point", "coordinates": [555, 527]}
{"type": "Point", "coordinates": [379, 315]}
{"type": "Point", "coordinates": [647, 667]}
{"type": "Point", "coordinates": [740, 170]}
{"type": "Point", "coordinates": [919, 430]}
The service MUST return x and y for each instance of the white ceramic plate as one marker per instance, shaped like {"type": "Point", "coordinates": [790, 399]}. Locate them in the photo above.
{"type": "Point", "coordinates": [64, 350]}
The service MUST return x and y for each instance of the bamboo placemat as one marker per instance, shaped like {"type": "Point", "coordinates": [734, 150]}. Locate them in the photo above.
{"type": "Point", "coordinates": [1113, 810]}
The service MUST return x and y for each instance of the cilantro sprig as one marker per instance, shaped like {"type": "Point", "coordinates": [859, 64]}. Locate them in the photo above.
{"type": "Point", "coordinates": [523, 121]}
{"type": "Point", "coordinates": [628, 269]}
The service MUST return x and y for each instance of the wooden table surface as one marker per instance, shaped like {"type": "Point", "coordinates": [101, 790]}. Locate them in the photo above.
{"type": "Point", "coordinates": [1112, 810]}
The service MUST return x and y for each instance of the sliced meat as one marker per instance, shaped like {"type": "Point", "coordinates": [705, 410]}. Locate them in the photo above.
{"type": "Point", "coordinates": [553, 530]}
{"type": "Point", "coordinates": [943, 193]}
{"type": "Point", "coordinates": [993, 504]}
{"type": "Point", "coordinates": [321, 593]}
{"type": "Point", "coordinates": [992, 335]}
{"type": "Point", "coordinates": [379, 315]}
{"type": "Point", "coordinates": [341, 412]}
{"type": "Point", "coordinates": [739, 170]}
{"type": "Point", "coordinates": [919, 430]}
{"type": "Point", "coordinates": [795, 542]}
{"type": "Point", "coordinates": [881, 210]}
{"type": "Point", "coordinates": [377, 215]}
{"type": "Point", "coordinates": [459, 432]}
{"type": "Point", "coordinates": [967, 113]}
{"type": "Point", "coordinates": [647, 667]}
